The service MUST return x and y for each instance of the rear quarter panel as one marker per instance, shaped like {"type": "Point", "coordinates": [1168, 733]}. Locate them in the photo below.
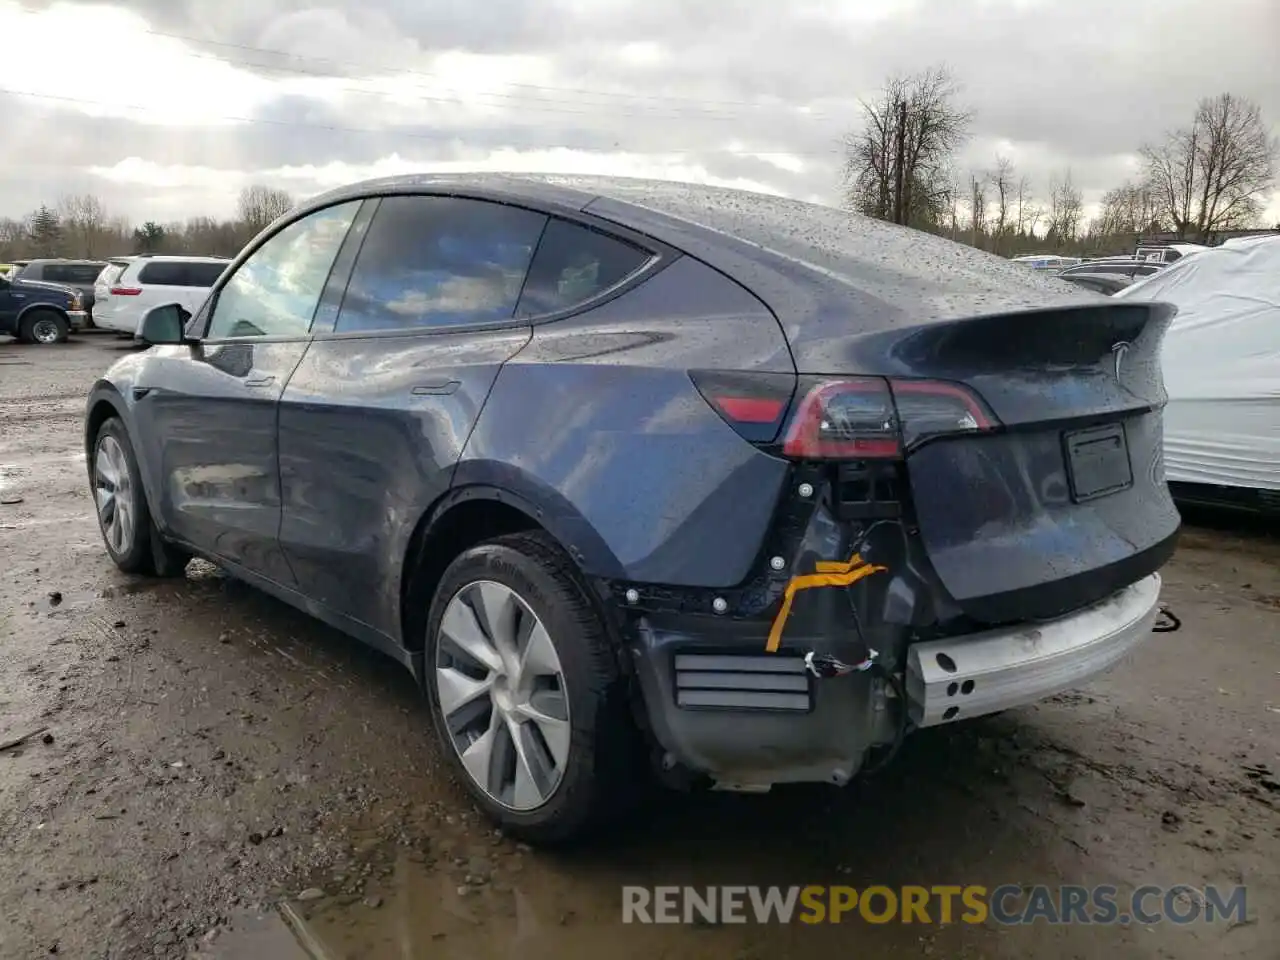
{"type": "Point", "coordinates": [597, 423]}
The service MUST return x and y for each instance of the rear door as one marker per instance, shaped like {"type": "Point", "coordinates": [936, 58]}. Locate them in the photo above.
{"type": "Point", "coordinates": [376, 415]}
{"type": "Point", "coordinates": [209, 411]}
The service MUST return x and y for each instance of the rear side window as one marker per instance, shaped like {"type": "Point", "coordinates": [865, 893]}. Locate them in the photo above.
{"type": "Point", "coordinates": [204, 274]}
{"type": "Point", "coordinates": [71, 272]}
{"type": "Point", "coordinates": [111, 273]}
{"type": "Point", "coordinates": [439, 262]}
{"type": "Point", "coordinates": [573, 265]}
{"type": "Point", "coordinates": [180, 273]}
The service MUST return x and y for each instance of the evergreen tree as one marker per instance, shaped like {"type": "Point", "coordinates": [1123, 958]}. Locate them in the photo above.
{"type": "Point", "coordinates": [46, 232]}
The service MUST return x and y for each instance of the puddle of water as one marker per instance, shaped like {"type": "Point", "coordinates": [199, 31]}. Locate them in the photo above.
{"type": "Point", "coordinates": [254, 936]}
{"type": "Point", "coordinates": [537, 909]}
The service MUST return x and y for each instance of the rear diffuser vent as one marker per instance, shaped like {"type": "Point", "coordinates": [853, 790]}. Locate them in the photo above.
{"type": "Point", "coordinates": [719, 682]}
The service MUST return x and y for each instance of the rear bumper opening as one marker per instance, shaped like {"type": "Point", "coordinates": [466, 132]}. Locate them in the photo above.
{"type": "Point", "coordinates": [964, 677]}
{"type": "Point", "coordinates": [719, 706]}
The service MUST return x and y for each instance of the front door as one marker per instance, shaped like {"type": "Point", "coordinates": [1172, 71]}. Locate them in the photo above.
{"type": "Point", "coordinates": [9, 307]}
{"type": "Point", "coordinates": [210, 410]}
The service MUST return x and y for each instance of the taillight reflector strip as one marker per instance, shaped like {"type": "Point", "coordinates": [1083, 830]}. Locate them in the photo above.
{"type": "Point", "coordinates": [126, 291]}
{"type": "Point", "coordinates": [749, 409]}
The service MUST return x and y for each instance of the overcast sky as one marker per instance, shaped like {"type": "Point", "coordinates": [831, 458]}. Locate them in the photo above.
{"type": "Point", "coordinates": [166, 108]}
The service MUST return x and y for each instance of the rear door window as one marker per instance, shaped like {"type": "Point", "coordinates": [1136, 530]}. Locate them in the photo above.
{"type": "Point", "coordinates": [432, 262]}
{"type": "Point", "coordinates": [575, 264]}
{"type": "Point", "coordinates": [164, 273]}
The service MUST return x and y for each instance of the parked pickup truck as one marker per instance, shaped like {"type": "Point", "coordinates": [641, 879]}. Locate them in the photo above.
{"type": "Point", "coordinates": [38, 312]}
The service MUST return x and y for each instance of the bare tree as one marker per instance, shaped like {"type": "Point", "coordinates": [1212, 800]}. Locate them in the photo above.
{"type": "Point", "coordinates": [1024, 202]}
{"type": "Point", "coordinates": [1213, 175]}
{"type": "Point", "coordinates": [1066, 209]}
{"type": "Point", "coordinates": [1001, 179]}
{"type": "Point", "coordinates": [13, 235]}
{"type": "Point", "coordinates": [896, 166]}
{"type": "Point", "coordinates": [84, 221]}
{"type": "Point", "coordinates": [1128, 208]}
{"type": "Point", "coordinates": [977, 209]}
{"type": "Point", "coordinates": [260, 205]}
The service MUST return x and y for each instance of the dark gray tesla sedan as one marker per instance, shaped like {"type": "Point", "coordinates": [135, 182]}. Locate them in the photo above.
{"type": "Point", "coordinates": [647, 475]}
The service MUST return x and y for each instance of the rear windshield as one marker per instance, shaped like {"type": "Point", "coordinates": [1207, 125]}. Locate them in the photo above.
{"type": "Point", "coordinates": [920, 276]}
{"type": "Point", "coordinates": [111, 273]}
{"type": "Point", "coordinates": [181, 273]}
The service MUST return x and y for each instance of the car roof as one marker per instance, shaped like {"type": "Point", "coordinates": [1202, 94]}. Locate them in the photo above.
{"type": "Point", "coordinates": [172, 258]}
{"type": "Point", "coordinates": [75, 262]}
{"type": "Point", "coordinates": [784, 250]}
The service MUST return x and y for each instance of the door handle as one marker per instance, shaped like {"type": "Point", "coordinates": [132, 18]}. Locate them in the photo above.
{"type": "Point", "coordinates": [260, 382]}
{"type": "Point", "coordinates": [440, 388]}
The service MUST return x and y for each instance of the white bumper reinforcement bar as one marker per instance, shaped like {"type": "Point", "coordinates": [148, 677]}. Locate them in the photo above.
{"type": "Point", "coordinates": [963, 677]}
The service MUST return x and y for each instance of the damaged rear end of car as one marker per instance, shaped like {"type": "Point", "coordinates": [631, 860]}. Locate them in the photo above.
{"type": "Point", "coordinates": [974, 514]}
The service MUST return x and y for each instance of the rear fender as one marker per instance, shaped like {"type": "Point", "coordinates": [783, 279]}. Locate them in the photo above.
{"type": "Point", "coordinates": [543, 505]}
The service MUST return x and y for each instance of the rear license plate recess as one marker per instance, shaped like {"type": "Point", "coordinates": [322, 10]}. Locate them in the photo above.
{"type": "Point", "coordinates": [1097, 461]}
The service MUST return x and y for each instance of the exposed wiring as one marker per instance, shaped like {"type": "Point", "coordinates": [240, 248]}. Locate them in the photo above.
{"type": "Point", "coordinates": [1166, 622]}
{"type": "Point", "coordinates": [901, 694]}
{"type": "Point", "coordinates": [827, 573]}
{"type": "Point", "coordinates": [890, 678]}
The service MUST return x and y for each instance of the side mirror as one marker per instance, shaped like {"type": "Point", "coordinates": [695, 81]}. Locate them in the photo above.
{"type": "Point", "coordinates": [164, 324]}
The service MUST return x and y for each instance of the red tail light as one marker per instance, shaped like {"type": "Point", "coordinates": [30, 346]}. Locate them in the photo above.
{"type": "Point", "coordinates": [126, 291]}
{"type": "Point", "coordinates": [860, 418]}
{"type": "Point", "coordinates": [754, 404]}
{"type": "Point", "coordinates": [850, 418]}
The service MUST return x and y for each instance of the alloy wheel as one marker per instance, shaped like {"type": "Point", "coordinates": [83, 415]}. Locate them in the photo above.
{"type": "Point", "coordinates": [501, 692]}
{"type": "Point", "coordinates": [114, 495]}
{"type": "Point", "coordinates": [44, 331]}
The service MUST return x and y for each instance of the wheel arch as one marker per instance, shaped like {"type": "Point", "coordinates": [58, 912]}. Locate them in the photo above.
{"type": "Point", "coordinates": [473, 512]}
{"type": "Point", "coordinates": [37, 307]}
{"type": "Point", "coordinates": [104, 403]}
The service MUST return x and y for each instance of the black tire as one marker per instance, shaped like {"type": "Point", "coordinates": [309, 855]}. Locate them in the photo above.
{"type": "Point", "coordinates": [147, 552]}
{"type": "Point", "coordinates": [603, 752]}
{"type": "Point", "coordinates": [42, 319]}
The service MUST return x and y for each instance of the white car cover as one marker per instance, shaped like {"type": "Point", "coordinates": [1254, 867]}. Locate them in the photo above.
{"type": "Point", "coordinates": [1222, 363]}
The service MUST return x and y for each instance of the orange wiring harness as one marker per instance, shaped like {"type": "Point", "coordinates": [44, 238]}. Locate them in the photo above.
{"type": "Point", "coordinates": [827, 573]}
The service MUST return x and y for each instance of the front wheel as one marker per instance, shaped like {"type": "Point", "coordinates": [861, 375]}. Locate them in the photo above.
{"type": "Point", "coordinates": [525, 692]}
{"type": "Point", "coordinates": [131, 537]}
{"type": "Point", "coordinates": [44, 327]}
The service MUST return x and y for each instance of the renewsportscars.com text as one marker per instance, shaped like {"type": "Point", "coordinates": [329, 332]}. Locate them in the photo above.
{"type": "Point", "coordinates": [1008, 904]}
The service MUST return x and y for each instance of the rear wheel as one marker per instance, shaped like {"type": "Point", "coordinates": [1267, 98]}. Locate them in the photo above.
{"type": "Point", "coordinates": [44, 327]}
{"type": "Point", "coordinates": [131, 537]}
{"type": "Point", "coordinates": [525, 692]}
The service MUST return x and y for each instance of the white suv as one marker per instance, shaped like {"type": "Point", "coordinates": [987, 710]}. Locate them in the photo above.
{"type": "Point", "coordinates": [130, 286]}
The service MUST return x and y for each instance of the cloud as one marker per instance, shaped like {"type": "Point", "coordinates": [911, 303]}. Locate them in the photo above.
{"type": "Point", "coordinates": [176, 104]}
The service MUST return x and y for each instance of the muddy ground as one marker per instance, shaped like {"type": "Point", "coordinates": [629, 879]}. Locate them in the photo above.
{"type": "Point", "coordinates": [208, 753]}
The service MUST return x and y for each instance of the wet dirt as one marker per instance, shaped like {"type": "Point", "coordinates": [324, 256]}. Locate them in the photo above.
{"type": "Point", "coordinates": [206, 753]}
